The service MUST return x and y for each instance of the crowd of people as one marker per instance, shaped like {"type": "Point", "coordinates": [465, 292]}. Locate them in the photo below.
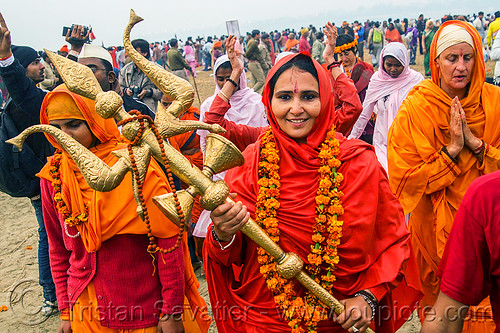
{"type": "Point", "coordinates": [383, 180]}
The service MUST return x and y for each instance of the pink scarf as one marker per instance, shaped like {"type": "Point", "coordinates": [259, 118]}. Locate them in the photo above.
{"type": "Point", "coordinates": [246, 108]}
{"type": "Point", "coordinates": [246, 104]}
{"type": "Point", "coordinates": [382, 84]}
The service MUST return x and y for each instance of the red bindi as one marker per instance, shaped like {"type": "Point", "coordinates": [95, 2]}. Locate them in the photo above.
{"type": "Point", "coordinates": [296, 88]}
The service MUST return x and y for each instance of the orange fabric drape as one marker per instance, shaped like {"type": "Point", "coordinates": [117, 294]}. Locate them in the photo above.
{"type": "Point", "coordinates": [196, 157]}
{"type": "Point", "coordinates": [192, 152]}
{"type": "Point", "coordinates": [393, 35]}
{"type": "Point", "coordinates": [427, 183]}
{"type": "Point", "coordinates": [105, 219]}
{"type": "Point", "coordinates": [290, 43]}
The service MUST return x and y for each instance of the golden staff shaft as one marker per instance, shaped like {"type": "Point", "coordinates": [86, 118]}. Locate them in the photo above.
{"type": "Point", "coordinates": [290, 265]}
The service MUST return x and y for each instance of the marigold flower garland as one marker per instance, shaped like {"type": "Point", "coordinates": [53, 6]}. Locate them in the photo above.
{"type": "Point", "coordinates": [342, 48]}
{"type": "Point", "coordinates": [302, 313]}
{"type": "Point", "coordinates": [71, 219]}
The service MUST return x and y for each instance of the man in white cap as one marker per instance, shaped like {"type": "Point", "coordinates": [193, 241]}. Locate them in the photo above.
{"type": "Point", "coordinates": [100, 62]}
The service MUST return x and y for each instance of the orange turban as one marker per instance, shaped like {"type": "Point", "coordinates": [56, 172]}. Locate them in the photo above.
{"type": "Point", "coordinates": [64, 48]}
{"type": "Point", "coordinates": [217, 44]}
{"type": "Point", "coordinates": [62, 106]}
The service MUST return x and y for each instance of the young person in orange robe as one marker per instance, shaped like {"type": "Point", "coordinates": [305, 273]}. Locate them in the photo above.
{"type": "Point", "coordinates": [372, 243]}
{"type": "Point", "coordinates": [97, 261]}
{"type": "Point", "coordinates": [392, 34]}
{"type": "Point", "coordinates": [189, 145]}
{"type": "Point", "coordinates": [446, 134]}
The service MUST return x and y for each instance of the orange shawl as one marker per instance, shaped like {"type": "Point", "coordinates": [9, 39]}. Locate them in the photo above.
{"type": "Point", "coordinates": [290, 43]}
{"type": "Point", "coordinates": [106, 220]}
{"type": "Point", "coordinates": [114, 212]}
{"type": "Point", "coordinates": [428, 184]}
{"type": "Point", "coordinates": [179, 140]}
{"type": "Point", "coordinates": [196, 158]}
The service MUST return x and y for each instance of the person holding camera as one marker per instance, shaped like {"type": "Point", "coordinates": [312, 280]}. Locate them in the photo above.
{"type": "Point", "coordinates": [100, 61]}
{"type": "Point", "coordinates": [132, 79]}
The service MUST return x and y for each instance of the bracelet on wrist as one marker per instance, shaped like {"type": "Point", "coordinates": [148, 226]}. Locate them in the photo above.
{"type": "Point", "coordinates": [479, 150]}
{"type": "Point", "coordinates": [370, 299]}
{"type": "Point", "coordinates": [232, 81]}
{"type": "Point", "coordinates": [224, 95]}
{"type": "Point", "coordinates": [217, 239]}
{"type": "Point", "coordinates": [334, 64]}
{"type": "Point", "coordinates": [445, 150]}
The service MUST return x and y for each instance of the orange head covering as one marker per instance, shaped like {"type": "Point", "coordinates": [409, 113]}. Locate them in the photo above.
{"type": "Point", "coordinates": [63, 107]}
{"type": "Point", "coordinates": [105, 220]}
{"type": "Point", "coordinates": [421, 129]}
{"type": "Point", "coordinates": [114, 212]}
{"type": "Point", "coordinates": [64, 48]}
{"type": "Point", "coordinates": [217, 44]}
{"type": "Point", "coordinates": [63, 104]}
{"type": "Point", "coordinates": [479, 72]}
{"type": "Point", "coordinates": [324, 121]}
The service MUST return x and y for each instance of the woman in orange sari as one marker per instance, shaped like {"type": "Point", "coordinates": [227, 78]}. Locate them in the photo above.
{"type": "Point", "coordinates": [446, 134]}
{"type": "Point", "coordinates": [98, 243]}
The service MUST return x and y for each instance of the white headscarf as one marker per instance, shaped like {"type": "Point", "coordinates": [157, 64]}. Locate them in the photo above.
{"type": "Point", "coordinates": [246, 108]}
{"type": "Point", "coordinates": [452, 35]}
{"type": "Point", "coordinates": [382, 85]}
{"type": "Point", "coordinates": [246, 104]}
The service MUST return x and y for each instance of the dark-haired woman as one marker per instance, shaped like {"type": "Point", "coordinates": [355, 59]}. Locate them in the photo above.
{"type": "Point", "coordinates": [345, 106]}
{"type": "Point", "coordinates": [387, 89]}
{"type": "Point", "coordinates": [358, 71]}
{"type": "Point", "coordinates": [245, 108]}
{"type": "Point", "coordinates": [305, 184]}
{"type": "Point", "coordinates": [98, 244]}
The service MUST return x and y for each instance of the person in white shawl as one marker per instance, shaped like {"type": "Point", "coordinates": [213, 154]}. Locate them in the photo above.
{"type": "Point", "coordinates": [388, 87]}
{"type": "Point", "coordinates": [246, 108]}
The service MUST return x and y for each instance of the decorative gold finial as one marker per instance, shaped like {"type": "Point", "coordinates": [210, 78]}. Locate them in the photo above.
{"type": "Point", "coordinates": [221, 153]}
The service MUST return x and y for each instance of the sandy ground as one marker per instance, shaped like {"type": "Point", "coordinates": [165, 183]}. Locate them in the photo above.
{"type": "Point", "coordinates": [19, 289]}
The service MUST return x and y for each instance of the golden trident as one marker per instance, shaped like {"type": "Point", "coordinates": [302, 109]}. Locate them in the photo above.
{"type": "Point", "coordinates": [220, 154]}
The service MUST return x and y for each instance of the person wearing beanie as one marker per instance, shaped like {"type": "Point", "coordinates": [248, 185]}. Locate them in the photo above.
{"type": "Point", "coordinates": [21, 70]}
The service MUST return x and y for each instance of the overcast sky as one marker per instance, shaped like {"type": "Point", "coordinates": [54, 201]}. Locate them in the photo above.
{"type": "Point", "coordinates": [39, 23]}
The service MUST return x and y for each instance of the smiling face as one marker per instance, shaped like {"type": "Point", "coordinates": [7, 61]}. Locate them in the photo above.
{"type": "Point", "coordinates": [296, 103]}
{"type": "Point", "coordinates": [456, 65]}
{"type": "Point", "coordinates": [77, 129]}
{"type": "Point", "coordinates": [392, 66]}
